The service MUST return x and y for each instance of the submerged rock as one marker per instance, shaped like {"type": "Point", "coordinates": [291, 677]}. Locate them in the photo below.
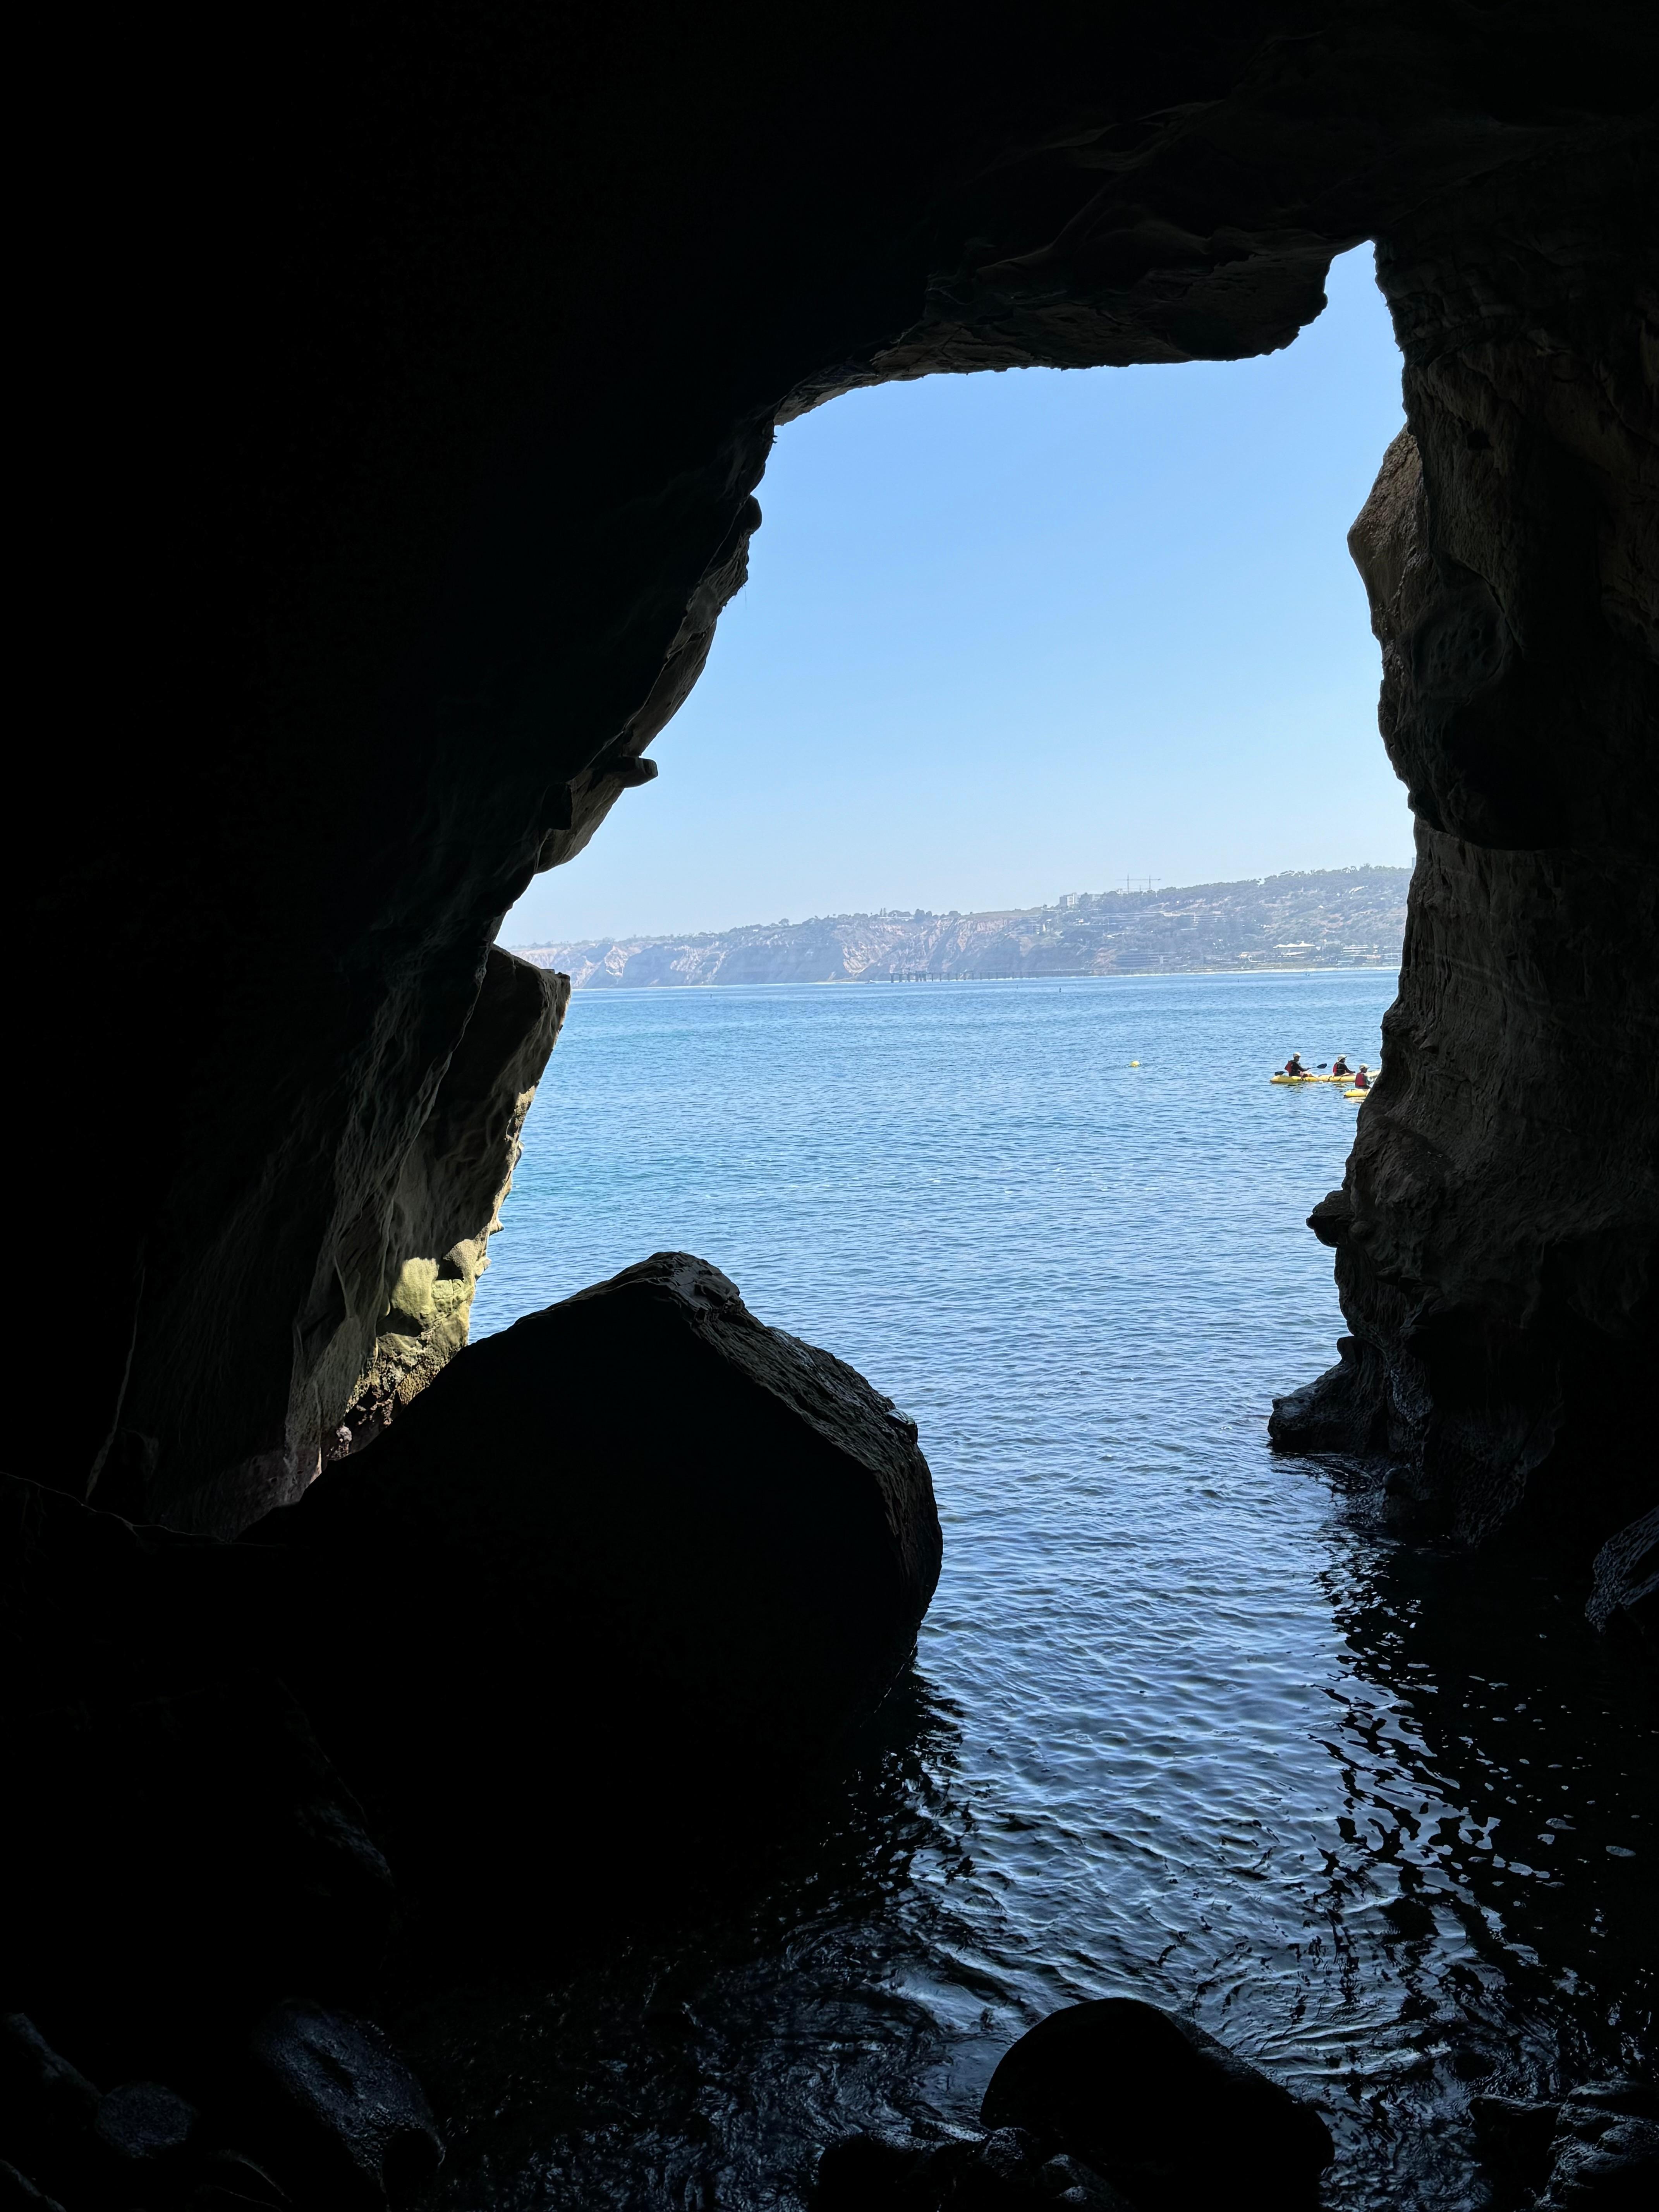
{"type": "Point", "coordinates": [638, 1544]}
{"type": "Point", "coordinates": [1166, 2113]}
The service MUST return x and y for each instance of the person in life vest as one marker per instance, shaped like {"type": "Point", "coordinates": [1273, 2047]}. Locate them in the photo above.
{"type": "Point", "coordinates": [1339, 1066]}
{"type": "Point", "coordinates": [1362, 1081]}
{"type": "Point", "coordinates": [1293, 1064]}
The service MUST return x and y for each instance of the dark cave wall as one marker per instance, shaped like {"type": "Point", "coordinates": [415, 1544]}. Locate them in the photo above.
{"type": "Point", "coordinates": [395, 1235]}
{"type": "Point", "coordinates": [1496, 1231]}
{"type": "Point", "coordinates": [459, 337]}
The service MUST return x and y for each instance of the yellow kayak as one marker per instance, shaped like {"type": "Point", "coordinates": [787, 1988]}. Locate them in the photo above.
{"type": "Point", "coordinates": [1307, 1079]}
{"type": "Point", "coordinates": [1356, 1094]}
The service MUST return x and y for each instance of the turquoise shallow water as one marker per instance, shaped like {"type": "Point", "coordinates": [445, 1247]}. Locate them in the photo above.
{"type": "Point", "coordinates": [1183, 1724]}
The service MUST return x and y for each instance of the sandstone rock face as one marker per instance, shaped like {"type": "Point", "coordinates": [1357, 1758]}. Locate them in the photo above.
{"type": "Point", "coordinates": [463, 346]}
{"type": "Point", "coordinates": [1497, 1230]}
{"type": "Point", "coordinates": [639, 1541]}
{"type": "Point", "coordinates": [391, 1294]}
{"type": "Point", "coordinates": [448, 1202]}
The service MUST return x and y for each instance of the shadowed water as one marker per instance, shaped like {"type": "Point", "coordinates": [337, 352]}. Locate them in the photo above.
{"type": "Point", "coordinates": [1182, 1724]}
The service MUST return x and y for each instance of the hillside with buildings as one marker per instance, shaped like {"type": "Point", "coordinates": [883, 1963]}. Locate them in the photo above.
{"type": "Point", "coordinates": [1324, 918]}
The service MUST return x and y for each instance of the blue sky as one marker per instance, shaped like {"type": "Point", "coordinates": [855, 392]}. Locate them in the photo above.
{"type": "Point", "coordinates": [1010, 636]}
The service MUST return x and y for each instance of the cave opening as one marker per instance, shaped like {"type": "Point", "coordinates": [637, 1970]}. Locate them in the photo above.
{"type": "Point", "coordinates": [356, 1671]}
{"type": "Point", "coordinates": [1181, 1720]}
{"type": "Point", "coordinates": [1132, 581]}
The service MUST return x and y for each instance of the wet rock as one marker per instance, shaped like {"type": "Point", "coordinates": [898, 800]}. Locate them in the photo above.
{"type": "Point", "coordinates": [867, 2169]}
{"type": "Point", "coordinates": [1006, 2170]}
{"type": "Point", "coordinates": [337, 2109]}
{"type": "Point", "coordinates": [147, 2129]}
{"type": "Point", "coordinates": [1606, 2149]}
{"type": "Point", "coordinates": [1000, 2173]}
{"type": "Point", "coordinates": [1598, 2146]}
{"type": "Point", "coordinates": [1345, 1409]}
{"type": "Point", "coordinates": [1163, 2110]}
{"type": "Point", "coordinates": [226, 2181]}
{"type": "Point", "coordinates": [1625, 1597]}
{"type": "Point", "coordinates": [1495, 1233]}
{"type": "Point", "coordinates": [1067, 2180]}
{"type": "Point", "coordinates": [1009, 2170]}
{"type": "Point", "coordinates": [1618, 2167]}
{"type": "Point", "coordinates": [18, 2193]}
{"type": "Point", "coordinates": [1012, 2158]}
{"type": "Point", "coordinates": [641, 1537]}
{"type": "Point", "coordinates": [48, 2108]}
{"type": "Point", "coordinates": [1583, 2108]}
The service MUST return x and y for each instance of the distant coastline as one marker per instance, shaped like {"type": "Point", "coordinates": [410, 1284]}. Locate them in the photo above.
{"type": "Point", "coordinates": [1274, 925]}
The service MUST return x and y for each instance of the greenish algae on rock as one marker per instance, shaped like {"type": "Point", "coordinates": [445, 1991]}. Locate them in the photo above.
{"type": "Point", "coordinates": [460, 1172]}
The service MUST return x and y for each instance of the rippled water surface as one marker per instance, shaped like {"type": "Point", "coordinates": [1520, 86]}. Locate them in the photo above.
{"type": "Point", "coordinates": [1183, 1723]}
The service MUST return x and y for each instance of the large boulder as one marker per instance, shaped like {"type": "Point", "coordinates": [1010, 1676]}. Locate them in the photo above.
{"type": "Point", "coordinates": [1167, 2114]}
{"type": "Point", "coordinates": [639, 1542]}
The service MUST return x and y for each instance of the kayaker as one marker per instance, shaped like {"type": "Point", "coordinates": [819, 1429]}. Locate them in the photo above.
{"type": "Point", "coordinates": [1362, 1081]}
{"type": "Point", "coordinates": [1293, 1066]}
{"type": "Point", "coordinates": [1339, 1065]}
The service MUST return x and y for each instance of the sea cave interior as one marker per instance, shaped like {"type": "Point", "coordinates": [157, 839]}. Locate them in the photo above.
{"type": "Point", "coordinates": [497, 1772]}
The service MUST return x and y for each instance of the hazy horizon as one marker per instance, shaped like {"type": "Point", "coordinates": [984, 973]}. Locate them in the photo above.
{"type": "Point", "coordinates": [1011, 634]}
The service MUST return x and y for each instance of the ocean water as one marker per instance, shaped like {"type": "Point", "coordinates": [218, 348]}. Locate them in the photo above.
{"type": "Point", "coordinates": [1183, 1723]}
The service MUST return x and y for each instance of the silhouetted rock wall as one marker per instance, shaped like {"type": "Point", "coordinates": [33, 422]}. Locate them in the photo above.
{"type": "Point", "coordinates": [1496, 1231]}
{"type": "Point", "coordinates": [400, 1256]}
